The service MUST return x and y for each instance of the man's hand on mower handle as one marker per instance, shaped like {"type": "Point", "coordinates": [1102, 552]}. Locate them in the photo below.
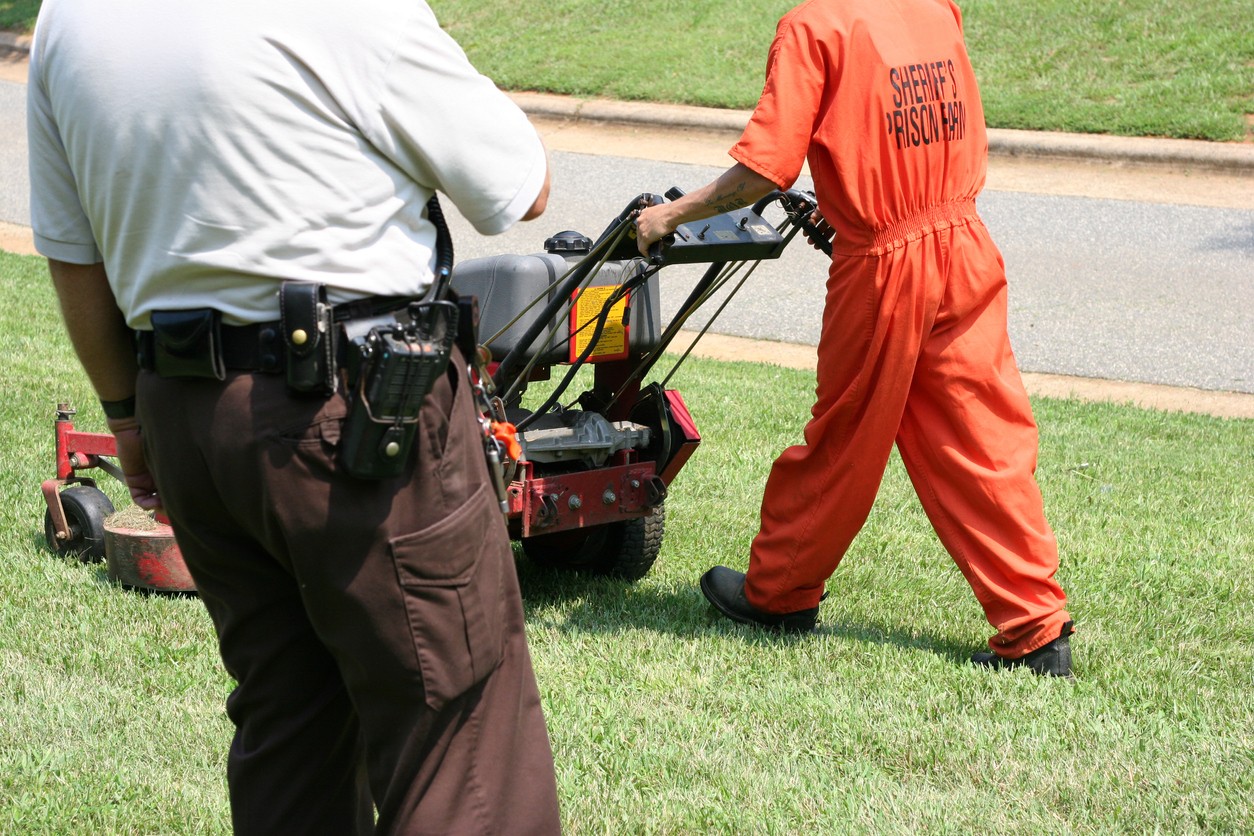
{"type": "Point", "coordinates": [820, 233]}
{"type": "Point", "coordinates": [130, 444]}
{"type": "Point", "coordinates": [736, 188]}
{"type": "Point", "coordinates": [652, 225]}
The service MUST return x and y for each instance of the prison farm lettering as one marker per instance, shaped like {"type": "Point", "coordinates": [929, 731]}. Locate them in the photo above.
{"type": "Point", "coordinates": [928, 107]}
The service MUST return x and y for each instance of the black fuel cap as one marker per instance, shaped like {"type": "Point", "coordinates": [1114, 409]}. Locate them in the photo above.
{"type": "Point", "coordinates": [568, 242]}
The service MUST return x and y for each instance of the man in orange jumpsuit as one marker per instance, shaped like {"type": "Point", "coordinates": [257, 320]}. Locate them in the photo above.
{"type": "Point", "coordinates": [880, 96]}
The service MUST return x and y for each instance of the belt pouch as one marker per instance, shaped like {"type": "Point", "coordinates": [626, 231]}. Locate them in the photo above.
{"type": "Point", "coordinates": [399, 366]}
{"type": "Point", "coordinates": [309, 336]}
{"type": "Point", "coordinates": [188, 343]}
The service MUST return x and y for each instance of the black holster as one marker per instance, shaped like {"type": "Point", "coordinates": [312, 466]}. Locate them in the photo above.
{"type": "Point", "coordinates": [309, 332]}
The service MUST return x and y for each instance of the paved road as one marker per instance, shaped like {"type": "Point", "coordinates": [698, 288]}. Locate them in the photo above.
{"type": "Point", "coordinates": [1114, 289]}
{"type": "Point", "coordinates": [14, 184]}
{"type": "Point", "coordinates": [1111, 289]}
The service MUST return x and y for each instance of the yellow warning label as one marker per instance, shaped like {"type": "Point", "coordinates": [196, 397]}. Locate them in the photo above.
{"type": "Point", "coordinates": [612, 344]}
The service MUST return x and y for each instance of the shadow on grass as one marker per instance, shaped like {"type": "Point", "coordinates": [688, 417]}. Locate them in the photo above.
{"type": "Point", "coordinates": [590, 603]}
{"type": "Point", "coordinates": [102, 579]}
{"type": "Point", "coordinates": [872, 633]}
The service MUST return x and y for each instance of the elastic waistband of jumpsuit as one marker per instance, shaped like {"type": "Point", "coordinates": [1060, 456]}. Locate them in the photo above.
{"type": "Point", "coordinates": [911, 228]}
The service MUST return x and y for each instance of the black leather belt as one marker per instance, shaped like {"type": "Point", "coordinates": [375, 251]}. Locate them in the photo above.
{"type": "Point", "coordinates": [255, 348]}
{"type": "Point", "coordinates": [259, 347]}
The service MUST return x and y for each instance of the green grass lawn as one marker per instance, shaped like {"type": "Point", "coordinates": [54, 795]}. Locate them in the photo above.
{"type": "Point", "coordinates": [1128, 67]}
{"type": "Point", "coordinates": [665, 719]}
{"type": "Point", "coordinates": [18, 15]}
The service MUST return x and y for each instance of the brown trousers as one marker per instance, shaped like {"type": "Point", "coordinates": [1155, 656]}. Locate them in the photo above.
{"type": "Point", "coordinates": [375, 629]}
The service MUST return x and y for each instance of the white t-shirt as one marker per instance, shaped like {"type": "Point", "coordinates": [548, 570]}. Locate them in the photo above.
{"type": "Point", "coordinates": [206, 151]}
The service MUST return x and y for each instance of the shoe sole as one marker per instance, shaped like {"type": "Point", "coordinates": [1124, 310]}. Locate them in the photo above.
{"type": "Point", "coordinates": [782, 626]}
{"type": "Point", "coordinates": [992, 661]}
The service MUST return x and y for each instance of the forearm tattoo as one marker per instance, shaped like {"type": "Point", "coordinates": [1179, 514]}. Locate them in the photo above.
{"type": "Point", "coordinates": [728, 201]}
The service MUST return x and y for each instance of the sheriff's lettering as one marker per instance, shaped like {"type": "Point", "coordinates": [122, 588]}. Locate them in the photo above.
{"type": "Point", "coordinates": [927, 105]}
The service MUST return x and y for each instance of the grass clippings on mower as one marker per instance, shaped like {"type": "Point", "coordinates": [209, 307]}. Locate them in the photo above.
{"type": "Point", "coordinates": [132, 517]}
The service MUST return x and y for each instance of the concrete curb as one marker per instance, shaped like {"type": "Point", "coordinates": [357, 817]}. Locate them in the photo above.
{"type": "Point", "coordinates": [1233, 158]}
{"type": "Point", "coordinates": [15, 42]}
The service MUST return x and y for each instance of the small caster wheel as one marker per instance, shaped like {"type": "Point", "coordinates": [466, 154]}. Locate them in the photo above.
{"type": "Point", "coordinates": [86, 509]}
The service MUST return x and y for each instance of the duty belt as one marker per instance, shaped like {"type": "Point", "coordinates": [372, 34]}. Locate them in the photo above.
{"type": "Point", "coordinates": [259, 346]}
{"type": "Point", "coordinates": [256, 348]}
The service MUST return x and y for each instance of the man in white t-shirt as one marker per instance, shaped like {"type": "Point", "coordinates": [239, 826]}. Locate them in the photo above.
{"type": "Point", "coordinates": [185, 166]}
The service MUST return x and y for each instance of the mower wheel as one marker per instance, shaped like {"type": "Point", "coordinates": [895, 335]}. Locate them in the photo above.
{"type": "Point", "coordinates": [86, 510]}
{"type": "Point", "coordinates": [625, 550]}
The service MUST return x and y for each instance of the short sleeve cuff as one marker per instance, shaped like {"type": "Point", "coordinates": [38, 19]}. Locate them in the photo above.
{"type": "Point", "coordinates": [523, 199]}
{"type": "Point", "coordinates": [783, 181]}
{"type": "Point", "coordinates": [65, 251]}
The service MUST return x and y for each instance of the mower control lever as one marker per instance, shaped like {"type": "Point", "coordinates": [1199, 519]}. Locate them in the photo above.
{"type": "Point", "coordinates": [657, 250]}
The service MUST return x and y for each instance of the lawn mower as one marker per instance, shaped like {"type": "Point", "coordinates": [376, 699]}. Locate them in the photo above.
{"type": "Point", "coordinates": [139, 550]}
{"type": "Point", "coordinates": [582, 484]}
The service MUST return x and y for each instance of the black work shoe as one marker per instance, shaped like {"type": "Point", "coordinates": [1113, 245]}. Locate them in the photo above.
{"type": "Point", "coordinates": [725, 589]}
{"type": "Point", "coordinates": [1054, 659]}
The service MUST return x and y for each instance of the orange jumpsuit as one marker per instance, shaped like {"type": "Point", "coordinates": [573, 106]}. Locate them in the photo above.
{"type": "Point", "coordinates": [880, 96]}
